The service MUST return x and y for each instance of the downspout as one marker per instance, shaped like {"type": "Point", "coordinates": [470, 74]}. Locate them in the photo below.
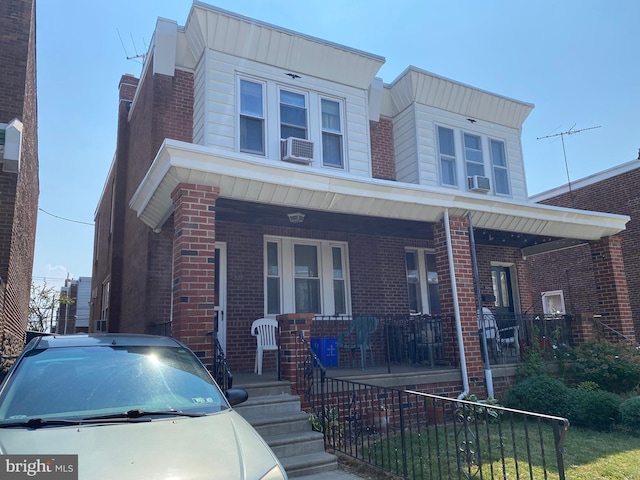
{"type": "Point", "coordinates": [456, 309]}
{"type": "Point", "coordinates": [488, 374]}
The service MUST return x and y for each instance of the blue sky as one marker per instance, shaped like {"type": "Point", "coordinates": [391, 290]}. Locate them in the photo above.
{"type": "Point", "coordinates": [576, 61]}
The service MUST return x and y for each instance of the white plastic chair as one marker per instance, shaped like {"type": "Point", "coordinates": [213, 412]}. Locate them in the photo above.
{"type": "Point", "coordinates": [264, 329]}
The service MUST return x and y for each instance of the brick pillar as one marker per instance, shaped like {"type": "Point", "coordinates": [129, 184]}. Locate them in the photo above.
{"type": "Point", "coordinates": [193, 266]}
{"type": "Point", "coordinates": [612, 294]}
{"type": "Point", "coordinates": [582, 328]}
{"type": "Point", "coordinates": [463, 267]}
{"type": "Point", "coordinates": [292, 354]}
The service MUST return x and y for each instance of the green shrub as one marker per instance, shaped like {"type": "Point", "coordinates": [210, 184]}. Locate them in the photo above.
{"type": "Point", "coordinates": [541, 394]}
{"type": "Point", "coordinates": [630, 413]}
{"type": "Point", "coordinates": [594, 409]}
{"type": "Point", "coordinates": [614, 367]}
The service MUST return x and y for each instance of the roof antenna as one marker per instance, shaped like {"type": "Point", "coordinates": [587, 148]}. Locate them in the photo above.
{"type": "Point", "coordinates": [571, 131]}
{"type": "Point", "coordinates": [133, 57]}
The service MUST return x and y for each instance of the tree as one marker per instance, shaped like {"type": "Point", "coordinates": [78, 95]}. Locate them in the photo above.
{"type": "Point", "coordinates": [42, 306]}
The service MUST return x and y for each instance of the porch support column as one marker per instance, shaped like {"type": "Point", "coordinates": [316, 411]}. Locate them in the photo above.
{"type": "Point", "coordinates": [612, 295]}
{"type": "Point", "coordinates": [459, 228]}
{"type": "Point", "coordinates": [292, 352]}
{"type": "Point", "coordinates": [194, 267]}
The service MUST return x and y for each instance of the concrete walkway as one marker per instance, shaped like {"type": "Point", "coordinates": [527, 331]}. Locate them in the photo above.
{"type": "Point", "coordinates": [339, 474]}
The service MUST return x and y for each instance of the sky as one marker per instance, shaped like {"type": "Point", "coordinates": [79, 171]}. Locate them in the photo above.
{"type": "Point", "coordinates": [577, 61]}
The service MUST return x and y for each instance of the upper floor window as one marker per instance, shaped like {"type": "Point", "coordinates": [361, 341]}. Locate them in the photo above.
{"type": "Point", "coordinates": [447, 154]}
{"type": "Point", "coordinates": [331, 133]}
{"type": "Point", "coordinates": [499, 163]}
{"type": "Point", "coordinates": [251, 117]}
{"type": "Point", "coordinates": [293, 115]}
{"type": "Point", "coordinates": [473, 155]}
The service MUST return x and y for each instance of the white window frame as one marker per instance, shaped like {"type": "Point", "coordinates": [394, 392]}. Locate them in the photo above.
{"type": "Point", "coordinates": [325, 273]}
{"type": "Point", "coordinates": [553, 303]}
{"type": "Point", "coordinates": [423, 279]}
{"type": "Point", "coordinates": [263, 119]}
{"type": "Point", "coordinates": [495, 167]}
{"type": "Point", "coordinates": [339, 134]}
{"type": "Point", "coordinates": [307, 107]}
{"type": "Point", "coordinates": [442, 157]}
{"type": "Point", "coordinates": [468, 161]}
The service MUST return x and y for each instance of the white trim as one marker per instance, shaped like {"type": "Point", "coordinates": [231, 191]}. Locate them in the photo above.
{"type": "Point", "coordinates": [243, 177]}
{"type": "Point", "coordinates": [586, 181]}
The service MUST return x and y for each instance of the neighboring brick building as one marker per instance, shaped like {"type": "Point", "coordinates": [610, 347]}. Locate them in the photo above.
{"type": "Point", "coordinates": [248, 183]}
{"type": "Point", "coordinates": [615, 190]}
{"type": "Point", "coordinates": [74, 317]}
{"type": "Point", "coordinates": [19, 187]}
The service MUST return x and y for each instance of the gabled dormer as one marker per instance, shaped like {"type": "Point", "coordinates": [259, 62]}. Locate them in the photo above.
{"type": "Point", "coordinates": [267, 94]}
{"type": "Point", "coordinates": [452, 136]}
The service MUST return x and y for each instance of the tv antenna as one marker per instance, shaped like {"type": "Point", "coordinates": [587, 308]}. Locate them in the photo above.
{"type": "Point", "coordinates": [571, 131]}
{"type": "Point", "coordinates": [130, 57]}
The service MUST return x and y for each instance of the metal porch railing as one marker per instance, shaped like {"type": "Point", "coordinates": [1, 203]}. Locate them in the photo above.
{"type": "Point", "coordinates": [421, 436]}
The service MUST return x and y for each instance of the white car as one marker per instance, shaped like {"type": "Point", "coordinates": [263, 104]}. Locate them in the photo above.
{"type": "Point", "coordinates": [118, 407]}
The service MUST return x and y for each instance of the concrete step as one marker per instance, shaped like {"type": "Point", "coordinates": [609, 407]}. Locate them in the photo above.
{"type": "Point", "coordinates": [263, 389]}
{"type": "Point", "coordinates": [269, 406]}
{"type": "Point", "coordinates": [296, 444]}
{"type": "Point", "coordinates": [297, 422]}
{"type": "Point", "coordinates": [309, 464]}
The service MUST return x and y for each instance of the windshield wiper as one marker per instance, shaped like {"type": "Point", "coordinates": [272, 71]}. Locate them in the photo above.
{"type": "Point", "coordinates": [140, 414]}
{"type": "Point", "coordinates": [40, 422]}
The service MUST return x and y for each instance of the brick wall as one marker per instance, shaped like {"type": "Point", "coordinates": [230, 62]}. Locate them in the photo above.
{"type": "Point", "coordinates": [620, 195]}
{"type": "Point", "coordinates": [382, 154]}
{"type": "Point", "coordinates": [19, 192]}
{"type": "Point", "coordinates": [141, 267]}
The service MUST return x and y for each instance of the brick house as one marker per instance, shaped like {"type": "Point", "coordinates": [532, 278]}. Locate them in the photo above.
{"type": "Point", "coordinates": [19, 188]}
{"type": "Point", "coordinates": [615, 190]}
{"type": "Point", "coordinates": [260, 172]}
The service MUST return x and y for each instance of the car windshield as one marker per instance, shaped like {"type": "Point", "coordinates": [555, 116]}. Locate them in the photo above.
{"type": "Point", "coordinates": [85, 382]}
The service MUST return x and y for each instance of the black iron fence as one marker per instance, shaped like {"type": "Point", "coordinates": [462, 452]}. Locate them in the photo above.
{"type": "Point", "coordinates": [422, 436]}
{"type": "Point", "coordinates": [349, 341]}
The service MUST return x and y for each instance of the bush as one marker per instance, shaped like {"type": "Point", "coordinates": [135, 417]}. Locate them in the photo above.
{"type": "Point", "coordinates": [614, 367]}
{"type": "Point", "coordinates": [594, 409]}
{"type": "Point", "coordinates": [541, 394]}
{"type": "Point", "coordinates": [630, 413]}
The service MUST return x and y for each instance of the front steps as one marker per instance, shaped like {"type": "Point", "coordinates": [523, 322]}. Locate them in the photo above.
{"type": "Point", "coordinates": [276, 415]}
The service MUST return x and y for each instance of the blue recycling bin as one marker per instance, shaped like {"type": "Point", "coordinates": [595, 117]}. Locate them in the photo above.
{"type": "Point", "coordinates": [326, 348]}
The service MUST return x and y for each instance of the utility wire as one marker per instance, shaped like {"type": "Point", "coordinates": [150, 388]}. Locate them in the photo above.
{"type": "Point", "coordinates": [65, 219]}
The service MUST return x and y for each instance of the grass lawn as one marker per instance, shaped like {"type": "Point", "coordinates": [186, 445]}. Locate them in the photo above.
{"type": "Point", "coordinates": [589, 455]}
{"type": "Point", "coordinates": [593, 455]}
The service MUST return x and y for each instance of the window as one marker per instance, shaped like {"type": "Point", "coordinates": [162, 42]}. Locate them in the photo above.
{"type": "Point", "coordinates": [331, 133]}
{"type": "Point", "coordinates": [251, 117]}
{"type": "Point", "coordinates": [273, 279]}
{"type": "Point", "coordinates": [553, 302]}
{"type": "Point", "coordinates": [307, 280]}
{"type": "Point", "coordinates": [422, 282]}
{"type": "Point", "coordinates": [305, 276]}
{"type": "Point", "coordinates": [293, 115]}
{"type": "Point", "coordinates": [499, 162]}
{"type": "Point", "coordinates": [473, 155]}
{"type": "Point", "coordinates": [447, 153]}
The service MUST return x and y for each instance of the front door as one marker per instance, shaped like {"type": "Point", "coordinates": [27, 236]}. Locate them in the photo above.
{"type": "Point", "coordinates": [221, 293]}
{"type": "Point", "coordinates": [502, 289]}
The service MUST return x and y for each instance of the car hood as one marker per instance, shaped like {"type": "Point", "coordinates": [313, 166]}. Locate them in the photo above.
{"type": "Point", "coordinates": [218, 446]}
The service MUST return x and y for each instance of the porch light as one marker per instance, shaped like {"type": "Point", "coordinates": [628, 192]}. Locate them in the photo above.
{"type": "Point", "coordinates": [296, 217]}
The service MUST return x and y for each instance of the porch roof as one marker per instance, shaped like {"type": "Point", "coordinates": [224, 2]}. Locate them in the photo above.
{"type": "Point", "coordinates": [242, 177]}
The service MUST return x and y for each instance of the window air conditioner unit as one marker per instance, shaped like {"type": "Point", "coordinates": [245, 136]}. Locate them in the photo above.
{"type": "Point", "coordinates": [296, 150]}
{"type": "Point", "coordinates": [479, 184]}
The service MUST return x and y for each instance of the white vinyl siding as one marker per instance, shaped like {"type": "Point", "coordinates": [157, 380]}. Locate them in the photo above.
{"type": "Point", "coordinates": [425, 121]}
{"type": "Point", "coordinates": [219, 114]}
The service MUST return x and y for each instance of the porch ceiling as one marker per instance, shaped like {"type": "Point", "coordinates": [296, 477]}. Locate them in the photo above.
{"type": "Point", "coordinates": [244, 178]}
